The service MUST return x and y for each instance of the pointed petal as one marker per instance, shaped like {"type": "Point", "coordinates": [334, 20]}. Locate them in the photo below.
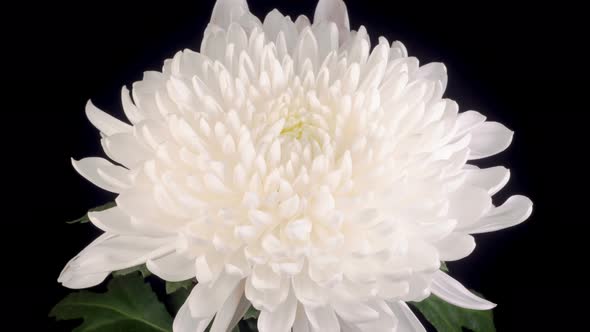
{"type": "Point", "coordinates": [355, 312]}
{"type": "Point", "coordinates": [240, 310]}
{"type": "Point", "coordinates": [384, 323]}
{"type": "Point", "coordinates": [226, 313]}
{"type": "Point", "coordinates": [172, 267]}
{"type": "Point", "coordinates": [125, 149]}
{"type": "Point", "coordinates": [491, 179]}
{"type": "Point", "coordinates": [322, 318]}
{"type": "Point", "coordinates": [107, 124]}
{"type": "Point", "coordinates": [110, 253]}
{"type": "Point", "coordinates": [206, 299]}
{"type": "Point", "coordinates": [129, 108]}
{"type": "Point", "coordinates": [467, 121]}
{"type": "Point", "coordinates": [226, 11]}
{"type": "Point", "coordinates": [301, 324]}
{"type": "Point", "coordinates": [281, 319]}
{"type": "Point", "coordinates": [103, 173]}
{"type": "Point", "coordinates": [332, 11]}
{"type": "Point", "coordinates": [434, 71]}
{"type": "Point", "coordinates": [455, 246]}
{"type": "Point", "coordinates": [468, 205]}
{"type": "Point", "coordinates": [113, 220]}
{"type": "Point", "coordinates": [488, 139]}
{"type": "Point", "coordinates": [453, 292]}
{"type": "Point", "coordinates": [185, 322]}
{"type": "Point", "coordinates": [406, 320]}
{"type": "Point", "coordinates": [81, 281]}
{"type": "Point", "coordinates": [515, 210]}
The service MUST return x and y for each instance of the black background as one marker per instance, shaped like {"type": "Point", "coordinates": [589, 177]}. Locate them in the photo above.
{"type": "Point", "coordinates": [517, 64]}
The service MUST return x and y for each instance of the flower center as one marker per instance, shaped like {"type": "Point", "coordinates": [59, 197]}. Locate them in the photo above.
{"type": "Point", "coordinates": [293, 126]}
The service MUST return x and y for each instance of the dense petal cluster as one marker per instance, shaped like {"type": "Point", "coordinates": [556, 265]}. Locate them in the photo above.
{"type": "Point", "coordinates": [294, 167]}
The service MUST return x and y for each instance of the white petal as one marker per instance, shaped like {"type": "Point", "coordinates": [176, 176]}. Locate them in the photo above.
{"type": "Point", "coordinates": [227, 311]}
{"type": "Point", "coordinates": [453, 292]}
{"type": "Point", "coordinates": [301, 324]}
{"type": "Point", "coordinates": [84, 280]}
{"type": "Point", "coordinates": [307, 291]}
{"type": "Point", "coordinates": [455, 246]}
{"type": "Point", "coordinates": [103, 173]}
{"type": "Point", "coordinates": [355, 312]}
{"type": "Point", "coordinates": [491, 179]}
{"type": "Point", "coordinates": [273, 22]}
{"type": "Point", "coordinates": [488, 139]}
{"type": "Point", "coordinates": [125, 149]}
{"type": "Point", "coordinates": [185, 322]}
{"type": "Point", "coordinates": [322, 319]}
{"type": "Point", "coordinates": [113, 220]}
{"type": "Point", "coordinates": [172, 267]}
{"type": "Point", "coordinates": [515, 210]}
{"type": "Point", "coordinates": [467, 121]}
{"type": "Point", "coordinates": [332, 11]}
{"type": "Point", "coordinates": [68, 276]}
{"type": "Point", "coordinates": [435, 71]}
{"type": "Point", "coordinates": [241, 310]}
{"type": "Point", "coordinates": [129, 108]}
{"type": "Point", "coordinates": [281, 319]}
{"type": "Point", "coordinates": [406, 320]}
{"type": "Point", "coordinates": [206, 299]}
{"type": "Point", "coordinates": [110, 253]}
{"type": "Point", "coordinates": [226, 11]}
{"type": "Point", "coordinates": [107, 124]}
{"type": "Point", "coordinates": [468, 205]}
{"type": "Point", "coordinates": [385, 323]}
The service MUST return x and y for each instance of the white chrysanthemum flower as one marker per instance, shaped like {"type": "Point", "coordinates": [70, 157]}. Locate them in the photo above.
{"type": "Point", "coordinates": [289, 166]}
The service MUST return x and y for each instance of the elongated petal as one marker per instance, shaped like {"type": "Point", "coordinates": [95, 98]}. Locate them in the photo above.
{"type": "Point", "coordinates": [107, 124]}
{"type": "Point", "coordinates": [301, 324]}
{"type": "Point", "coordinates": [322, 318]}
{"type": "Point", "coordinates": [241, 310]}
{"type": "Point", "coordinates": [109, 252]}
{"type": "Point", "coordinates": [453, 292]}
{"type": "Point", "coordinates": [227, 311]}
{"type": "Point", "coordinates": [125, 149]}
{"type": "Point", "coordinates": [406, 320]}
{"type": "Point", "coordinates": [206, 299]}
{"type": "Point", "coordinates": [355, 312]}
{"type": "Point", "coordinates": [435, 71]}
{"type": "Point", "coordinates": [491, 179]}
{"type": "Point", "coordinates": [468, 205]}
{"type": "Point", "coordinates": [172, 267]}
{"type": "Point", "coordinates": [467, 121]}
{"type": "Point", "coordinates": [515, 210]}
{"type": "Point", "coordinates": [455, 246]}
{"type": "Point", "coordinates": [386, 321]}
{"type": "Point", "coordinates": [488, 139]}
{"type": "Point", "coordinates": [129, 108]}
{"type": "Point", "coordinates": [103, 173]}
{"type": "Point", "coordinates": [226, 11]}
{"type": "Point", "coordinates": [113, 220]}
{"type": "Point", "coordinates": [185, 322]}
{"type": "Point", "coordinates": [281, 319]}
{"type": "Point", "coordinates": [332, 11]}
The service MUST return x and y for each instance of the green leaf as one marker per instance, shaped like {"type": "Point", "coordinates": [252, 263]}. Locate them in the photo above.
{"type": "Point", "coordinates": [172, 287]}
{"type": "Point", "coordinates": [446, 317]}
{"type": "Point", "coordinates": [444, 267]}
{"type": "Point", "coordinates": [251, 313]}
{"type": "Point", "coordinates": [128, 305]}
{"type": "Point", "coordinates": [139, 268]}
{"type": "Point", "coordinates": [84, 219]}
